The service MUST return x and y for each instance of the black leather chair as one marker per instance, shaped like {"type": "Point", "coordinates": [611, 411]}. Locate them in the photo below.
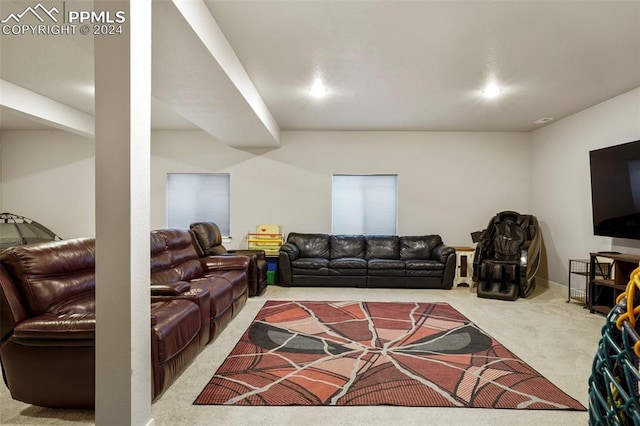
{"type": "Point", "coordinates": [207, 239]}
{"type": "Point", "coordinates": [507, 256]}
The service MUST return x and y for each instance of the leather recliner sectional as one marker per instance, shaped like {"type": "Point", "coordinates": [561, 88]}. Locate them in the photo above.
{"type": "Point", "coordinates": [224, 278]}
{"type": "Point", "coordinates": [207, 239]}
{"type": "Point", "coordinates": [47, 306]}
{"type": "Point", "coordinates": [366, 261]}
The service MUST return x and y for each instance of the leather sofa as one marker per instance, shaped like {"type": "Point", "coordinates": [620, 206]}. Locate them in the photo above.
{"type": "Point", "coordinates": [207, 240]}
{"type": "Point", "coordinates": [174, 260]}
{"type": "Point", "coordinates": [47, 328]}
{"type": "Point", "coordinates": [366, 261]}
{"type": "Point", "coordinates": [47, 314]}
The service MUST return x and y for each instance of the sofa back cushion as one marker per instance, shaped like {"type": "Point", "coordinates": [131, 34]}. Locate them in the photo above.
{"type": "Point", "coordinates": [347, 246]}
{"type": "Point", "coordinates": [161, 260]}
{"type": "Point", "coordinates": [207, 239]}
{"type": "Point", "coordinates": [180, 262]}
{"type": "Point", "coordinates": [311, 245]}
{"type": "Point", "coordinates": [418, 247]}
{"type": "Point", "coordinates": [383, 247]}
{"type": "Point", "coordinates": [50, 273]}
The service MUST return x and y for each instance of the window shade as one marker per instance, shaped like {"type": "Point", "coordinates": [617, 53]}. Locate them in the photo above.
{"type": "Point", "coordinates": [364, 204]}
{"type": "Point", "coordinates": [198, 197]}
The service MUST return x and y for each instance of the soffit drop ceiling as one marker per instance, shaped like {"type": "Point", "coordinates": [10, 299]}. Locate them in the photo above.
{"type": "Point", "coordinates": [189, 88]}
{"type": "Point", "coordinates": [196, 73]}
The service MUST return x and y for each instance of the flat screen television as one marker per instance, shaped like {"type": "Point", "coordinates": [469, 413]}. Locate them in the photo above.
{"type": "Point", "coordinates": [615, 190]}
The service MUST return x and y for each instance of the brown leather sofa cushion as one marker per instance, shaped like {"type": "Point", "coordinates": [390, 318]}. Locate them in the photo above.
{"type": "Point", "coordinates": [208, 239]}
{"type": "Point", "coordinates": [47, 274]}
{"type": "Point", "coordinates": [180, 260]}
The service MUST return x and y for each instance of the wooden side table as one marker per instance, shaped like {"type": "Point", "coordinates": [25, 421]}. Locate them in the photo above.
{"type": "Point", "coordinates": [464, 267]}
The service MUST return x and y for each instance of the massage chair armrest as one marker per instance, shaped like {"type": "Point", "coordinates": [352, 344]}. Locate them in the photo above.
{"type": "Point", "coordinates": [442, 252]}
{"type": "Point", "coordinates": [258, 254]}
{"type": "Point", "coordinates": [170, 289]}
{"type": "Point", "coordinates": [55, 330]}
{"type": "Point", "coordinates": [480, 255]}
{"type": "Point", "coordinates": [225, 263]}
{"type": "Point", "coordinates": [524, 255]}
{"type": "Point", "coordinates": [291, 250]}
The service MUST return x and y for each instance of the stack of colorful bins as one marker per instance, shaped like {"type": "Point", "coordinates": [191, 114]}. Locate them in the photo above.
{"type": "Point", "coordinates": [614, 385]}
{"type": "Point", "coordinates": [268, 238]}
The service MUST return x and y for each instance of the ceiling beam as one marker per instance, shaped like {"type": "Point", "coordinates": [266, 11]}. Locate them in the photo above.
{"type": "Point", "coordinates": [206, 83]}
{"type": "Point", "coordinates": [44, 110]}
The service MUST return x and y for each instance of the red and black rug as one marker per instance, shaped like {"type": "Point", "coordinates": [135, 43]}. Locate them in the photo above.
{"type": "Point", "coordinates": [376, 353]}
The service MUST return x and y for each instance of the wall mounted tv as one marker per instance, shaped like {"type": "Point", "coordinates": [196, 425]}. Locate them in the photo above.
{"type": "Point", "coordinates": [615, 190]}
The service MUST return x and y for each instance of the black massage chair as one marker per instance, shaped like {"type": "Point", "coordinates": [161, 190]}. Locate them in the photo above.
{"type": "Point", "coordinates": [507, 256]}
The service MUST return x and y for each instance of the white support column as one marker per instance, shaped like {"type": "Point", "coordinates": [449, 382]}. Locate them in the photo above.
{"type": "Point", "coordinates": [122, 134]}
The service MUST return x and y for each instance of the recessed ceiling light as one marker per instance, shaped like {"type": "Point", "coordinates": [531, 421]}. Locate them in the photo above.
{"type": "Point", "coordinates": [543, 120]}
{"type": "Point", "coordinates": [318, 89]}
{"type": "Point", "coordinates": [491, 90]}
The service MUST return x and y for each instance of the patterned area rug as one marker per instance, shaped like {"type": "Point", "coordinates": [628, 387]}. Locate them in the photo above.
{"type": "Point", "coordinates": [376, 353]}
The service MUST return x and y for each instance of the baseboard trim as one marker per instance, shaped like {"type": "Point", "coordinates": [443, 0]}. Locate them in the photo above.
{"type": "Point", "coordinates": [551, 285]}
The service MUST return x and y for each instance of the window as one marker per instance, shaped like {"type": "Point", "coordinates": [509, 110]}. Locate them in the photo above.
{"type": "Point", "coordinates": [365, 204]}
{"type": "Point", "coordinates": [198, 197]}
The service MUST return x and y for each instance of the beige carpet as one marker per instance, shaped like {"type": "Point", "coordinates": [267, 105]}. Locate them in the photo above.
{"type": "Point", "coordinates": [555, 338]}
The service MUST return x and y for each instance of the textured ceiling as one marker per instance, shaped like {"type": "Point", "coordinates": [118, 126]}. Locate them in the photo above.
{"type": "Point", "coordinates": [388, 65]}
{"type": "Point", "coordinates": [420, 65]}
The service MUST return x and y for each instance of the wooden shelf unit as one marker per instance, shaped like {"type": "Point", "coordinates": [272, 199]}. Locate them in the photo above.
{"type": "Point", "coordinates": [603, 290]}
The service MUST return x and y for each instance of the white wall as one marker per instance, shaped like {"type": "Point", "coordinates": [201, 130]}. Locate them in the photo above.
{"type": "Point", "coordinates": [560, 180]}
{"type": "Point", "coordinates": [48, 176]}
{"type": "Point", "coordinates": [450, 183]}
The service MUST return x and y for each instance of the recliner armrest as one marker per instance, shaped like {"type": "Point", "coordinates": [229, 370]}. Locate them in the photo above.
{"type": "Point", "coordinates": [259, 254]}
{"type": "Point", "coordinates": [50, 330]}
{"type": "Point", "coordinates": [225, 263]}
{"type": "Point", "coordinates": [170, 288]}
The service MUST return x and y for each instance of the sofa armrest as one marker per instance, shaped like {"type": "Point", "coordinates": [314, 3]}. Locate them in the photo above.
{"type": "Point", "coordinates": [48, 330]}
{"type": "Point", "coordinates": [292, 251]}
{"type": "Point", "coordinates": [12, 311]}
{"type": "Point", "coordinates": [441, 252]}
{"type": "Point", "coordinates": [225, 263]}
{"type": "Point", "coordinates": [446, 255]}
{"type": "Point", "coordinates": [288, 253]}
{"type": "Point", "coordinates": [169, 289]}
{"type": "Point", "coordinates": [259, 254]}
{"type": "Point", "coordinates": [253, 258]}
{"type": "Point", "coordinates": [199, 296]}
